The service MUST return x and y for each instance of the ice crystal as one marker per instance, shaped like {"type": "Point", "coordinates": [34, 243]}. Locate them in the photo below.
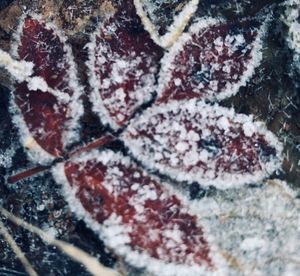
{"type": "Point", "coordinates": [192, 141]}
{"type": "Point", "coordinates": [49, 101]}
{"type": "Point", "coordinates": [165, 20]}
{"type": "Point", "coordinates": [144, 218]}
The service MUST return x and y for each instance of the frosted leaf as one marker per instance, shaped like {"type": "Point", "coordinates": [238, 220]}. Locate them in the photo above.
{"type": "Point", "coordinates": [258, 227]}
{"type": "Point", "coordinates": [212, 61]}
{"type": "Point", "coordinates": [47, 104]}
{"type": "Point", "coordinates": [291, 19]}
{"type": "Point", "coordinates": [212, 145]}
{"type": "Point", "coordinates": [165, 20]}
{"type": "Point", "coordinates": [122, 61]}
{"type": "Point", "coordinates": [138, 218]}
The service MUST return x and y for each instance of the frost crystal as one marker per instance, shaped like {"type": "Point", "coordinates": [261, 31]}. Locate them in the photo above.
{"type": "Point", "coordinates": [20, 70]}
{"type": "Point", "coordinates": [139, 219]}
{"type": "Point", "coordinates": [192, 141]}
{"type": "Point", "coordinates": [213, 60]}
{"type": "Point", "coordinates": [292, 20]}
{"type": "Point", "coordinates": [165, 20]}
{"type": "Point", "coordinates": [123, 63]}
{"type": "Point", "coordinates": [48, 102]}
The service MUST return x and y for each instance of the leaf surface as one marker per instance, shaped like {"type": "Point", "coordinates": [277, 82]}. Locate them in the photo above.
{"type": "Point", "coordinates": [48, 105]}
{"type": "Point", "coordinates": [123, 62]}
{"type": "Point", "coordinates": [212, 145]}
{"type": "Point", "coordinates": [137, 217]}
{"type": "Point", "coordinates": [212, 61]}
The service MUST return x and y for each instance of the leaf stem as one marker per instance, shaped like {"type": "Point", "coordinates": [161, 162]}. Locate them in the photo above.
{"type": "Point", "coordinates": [94, 144]}
{"type": "Point", "coordinates": [25, 174]}
{"type": "Point", "coordinates": [33, 171]}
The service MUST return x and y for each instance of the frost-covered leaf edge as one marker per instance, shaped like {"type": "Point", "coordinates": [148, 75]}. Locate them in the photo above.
{"type": "Point", "coordinates": [203, 23]}
{"type": "Point", "coordinates": [34, 151]}
{"type": "Point", "coordinates": [136, 259]}
{"type": "Point", "coordinates": [220, 183]}
{"type": "Point", "coordinates": [100, 110]}
{"type": "Point", "coordinates": [290, 19]}
{"type": "Point", "coordinates": [174, 30]}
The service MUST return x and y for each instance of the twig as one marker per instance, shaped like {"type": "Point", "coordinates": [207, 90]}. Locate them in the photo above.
{"type": "Point", "coordinates": [17, 250]}
{"type": "Point", "coordinates": [27, 173]}
{"type": "Point", "coordinates": [33, 171]}
{"type": "Point", "coordinates": [94, 144]}
{"type": "Point", "coordinates": [90, 263]}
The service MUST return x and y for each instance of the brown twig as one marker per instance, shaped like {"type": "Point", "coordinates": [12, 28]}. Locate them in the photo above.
{"type": "Point", "coordinates": [90, 263]}
{"type": "Point", "coordinates": [95, 144]}
{"type": "Point", "coordinates": [17, 250]}
{"type": "Point", "coordinates": [25, 174]}
{"type": "Point", "coordinates": [33, 171]}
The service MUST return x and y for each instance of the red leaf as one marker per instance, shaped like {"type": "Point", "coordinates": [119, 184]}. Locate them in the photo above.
{"type": "Point", "coordinates": [135, 215]}
{"type": "Point", "coordinates": [123, 62]}
{"type": "Point", "coordinates": [48, 102]}
{"type": "Point", "coordinates": [212, 145]}
{"type": "Point", "coordinates": [212, 61]}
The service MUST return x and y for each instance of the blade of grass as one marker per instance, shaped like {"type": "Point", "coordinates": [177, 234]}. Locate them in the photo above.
{"type": "Point", "coordinates": [17, 250]}
{"type": "Point", "coordinates": [91, 264]}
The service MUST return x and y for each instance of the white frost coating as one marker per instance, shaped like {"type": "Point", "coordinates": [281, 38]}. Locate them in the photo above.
{"type": "Point", "coordinates": [34, 151]}
{"type": "Point", "coordinates": [174, 30]}
{"type": "Point", "coordinates": [51, 231]}
{"type": "Point", "coordinates": [113, 233]}
{"type": "Point", "coordinates": [122, 68]}
{"type": "Point", "coordinates": [71, 134]}
{"type": "Point", "coordinates": [95, 99]}
{"type": "Point", "coordinates": [171, 142]}
{"type": "Point", "coordinates": [291, 19]}
{"type": "Point", "coordinates": [250, 244]}
{"type": "Point", "coordinates": [168, 63]}
{"type": "Point", "coordinates": [259, 227]}
{"type": "Point", "coordinates": [6, 156]}
{"type": "Point", "coordinates": [38, 83]}
{"type": "Point", "coordinates": [20, 70]}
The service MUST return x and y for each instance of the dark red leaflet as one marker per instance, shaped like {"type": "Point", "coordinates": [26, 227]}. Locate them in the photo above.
{"type": "Point", "coordinates": [131, 189]}
{"type": "Point", "coordinates": [203, 143]}
{"type": "Point", "coordinates": [44, 115]}
{"type": "Point", "coordinates": [126, 60]}
{"type": "Point", "coordinates": [246, 150]}
{"type": "Point", "coordinates": [213, 63]}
